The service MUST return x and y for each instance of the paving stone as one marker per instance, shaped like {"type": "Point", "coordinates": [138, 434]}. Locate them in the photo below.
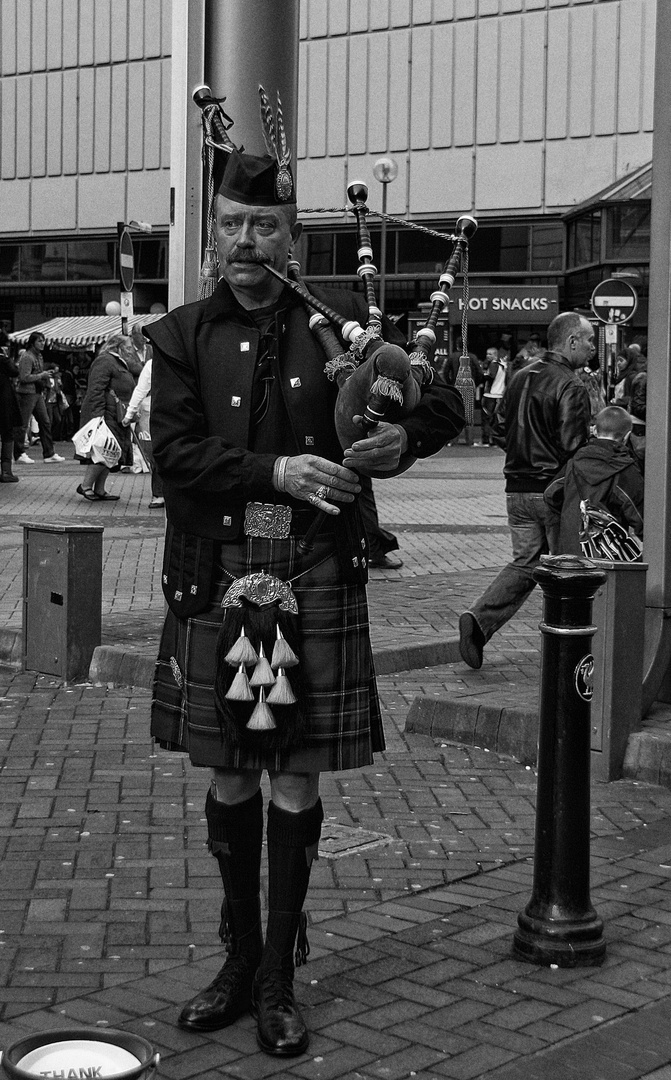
{"type": "Point", "coordinates": [85, 795]}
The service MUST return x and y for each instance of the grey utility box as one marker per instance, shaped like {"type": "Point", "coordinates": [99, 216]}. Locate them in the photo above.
{"type": "Point", "coordinates": [62, 598]}
{"type": "Point", "coordinates": [619, 614]}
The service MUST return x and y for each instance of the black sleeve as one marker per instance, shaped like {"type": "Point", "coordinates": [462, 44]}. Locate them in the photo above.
{"type": "Point", "coordinates": [438, 418]}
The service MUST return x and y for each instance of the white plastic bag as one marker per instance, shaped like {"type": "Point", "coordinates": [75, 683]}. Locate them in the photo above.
{"type": "Point", "coordinates": [105, 449]}
{"type": "Point", "coordinates": [83, 438]}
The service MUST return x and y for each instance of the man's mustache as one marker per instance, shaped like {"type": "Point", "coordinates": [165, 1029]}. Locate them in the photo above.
{"type": "Point", "coordinates": [246, 255]}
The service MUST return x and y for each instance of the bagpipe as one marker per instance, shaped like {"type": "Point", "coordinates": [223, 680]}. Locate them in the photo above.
{"type": "Point", "coordinates": [377, 380]}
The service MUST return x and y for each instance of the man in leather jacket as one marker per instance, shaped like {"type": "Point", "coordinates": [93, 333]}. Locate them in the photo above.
{"type": "Point", "coordinates": [542, 420]}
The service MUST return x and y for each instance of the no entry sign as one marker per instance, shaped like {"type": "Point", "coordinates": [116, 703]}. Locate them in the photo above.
{"type": "Point", "coordinates": [126, 263]}
{"type": "Point", "coordinates": [614, 301]}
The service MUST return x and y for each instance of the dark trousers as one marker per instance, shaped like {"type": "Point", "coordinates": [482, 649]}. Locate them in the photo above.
{"type": "Point", "coordinates": [379, 540]}
{"type": "Point", "coordinates": [35, 405]}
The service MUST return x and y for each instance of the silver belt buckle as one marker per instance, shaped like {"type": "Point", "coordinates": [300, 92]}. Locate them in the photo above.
{"type": "Point", "coordinates": [269, 521]}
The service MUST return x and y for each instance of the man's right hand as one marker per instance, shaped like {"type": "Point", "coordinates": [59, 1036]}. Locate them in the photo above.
{"type": "Point", "coordinates": [306, 475]}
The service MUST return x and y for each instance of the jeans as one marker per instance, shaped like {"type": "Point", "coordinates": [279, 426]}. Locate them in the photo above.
{"type": "Point", "coordinates": [488, 408]}
{"type": "Point", "coordinates": [534, 533]}
{"type": "Point", "coordinates": [35, 405]}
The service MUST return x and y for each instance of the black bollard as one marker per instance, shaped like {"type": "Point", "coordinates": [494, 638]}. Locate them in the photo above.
{"type": "Point", "coordinates": [559, 925]}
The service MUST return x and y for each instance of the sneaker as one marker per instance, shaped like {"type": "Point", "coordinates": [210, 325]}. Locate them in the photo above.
{"type": "Point", "coordinates": [54, 457]}
{"type": "Point", "coordinates": [25, 460]}
{"type": "Point", "coordinates": [155, 503]}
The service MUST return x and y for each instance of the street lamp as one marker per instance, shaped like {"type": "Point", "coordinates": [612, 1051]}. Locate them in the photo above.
{"type": "Point", "coordinates": [385, 170]}
{"type": "Point", "coordinates": [127, 266]}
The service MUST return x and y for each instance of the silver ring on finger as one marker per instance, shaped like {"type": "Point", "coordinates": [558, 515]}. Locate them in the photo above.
{"type": "Point", "coordinates": [322, 492]}
{"type": "Point", "coordinates": [313, 498]}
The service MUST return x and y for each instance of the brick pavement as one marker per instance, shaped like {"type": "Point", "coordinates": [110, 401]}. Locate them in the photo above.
{"type": "Point", "coordinates": [107, 895]}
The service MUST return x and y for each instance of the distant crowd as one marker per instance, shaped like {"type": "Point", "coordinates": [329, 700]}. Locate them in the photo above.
{"type": "Point", "coordinates": [47, 398]}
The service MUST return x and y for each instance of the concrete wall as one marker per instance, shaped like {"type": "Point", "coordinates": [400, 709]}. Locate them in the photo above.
{"type": "Point", "coordinates": [84, 113]}
{"type": "Point", "coordinates": [493, 105]}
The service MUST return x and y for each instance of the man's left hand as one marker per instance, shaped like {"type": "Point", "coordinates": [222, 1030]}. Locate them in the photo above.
{"type": "Point", "coordinates": [380, 451]}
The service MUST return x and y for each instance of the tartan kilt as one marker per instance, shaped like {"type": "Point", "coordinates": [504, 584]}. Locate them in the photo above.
{"type": "Point", "coordinates": [344, 724]}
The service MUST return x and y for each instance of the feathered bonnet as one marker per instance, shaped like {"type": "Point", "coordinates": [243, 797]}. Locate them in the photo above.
{"type": "Point", "coordinates": [258, 180]}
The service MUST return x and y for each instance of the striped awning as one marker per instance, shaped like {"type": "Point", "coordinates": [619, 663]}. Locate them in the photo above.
{"type": "Point", "coordinates": [80, 332]}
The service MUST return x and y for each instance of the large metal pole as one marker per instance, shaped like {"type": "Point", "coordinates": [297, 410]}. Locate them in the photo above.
{"type": "Point", "coordinates": [658, 438]}
{"type": "Point", "coordinates": [186, 182]}
{"type": "Point", "coordinates": [248, 42]}
{"type": "Point", "coordinates": [232, 46]}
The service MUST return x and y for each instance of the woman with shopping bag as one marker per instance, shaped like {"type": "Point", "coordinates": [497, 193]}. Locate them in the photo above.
{"type": "Point", "coordinates": [111, 382]}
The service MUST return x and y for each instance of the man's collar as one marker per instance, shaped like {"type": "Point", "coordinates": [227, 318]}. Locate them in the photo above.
{"type": "Point", "coordinates": [558, 358]}
{"type": "Point", "coordinates": [222, 302]}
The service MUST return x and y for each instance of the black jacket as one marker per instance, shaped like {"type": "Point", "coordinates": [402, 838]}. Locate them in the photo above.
{"type": "Point", "coordinates": [202, 376]}
{"type": "Point", "coordinates": [605, 473]}
{"type": "Point", "coordinates": [542, 419]}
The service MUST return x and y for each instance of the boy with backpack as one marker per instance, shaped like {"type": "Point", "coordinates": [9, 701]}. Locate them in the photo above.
{"type": "Point", "coordinates": [604, 473]}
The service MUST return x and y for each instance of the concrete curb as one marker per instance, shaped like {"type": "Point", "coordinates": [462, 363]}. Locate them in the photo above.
{"type": "Point", "coordinates": [112, 665]}
{"type": "Point", "coordinates": [508, 729]}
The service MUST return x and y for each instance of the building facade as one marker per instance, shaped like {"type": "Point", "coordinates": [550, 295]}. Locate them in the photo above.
{"type": "Point", "coordinates": [517, 111]}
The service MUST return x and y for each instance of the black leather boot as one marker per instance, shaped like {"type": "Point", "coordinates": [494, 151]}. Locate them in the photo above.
{"type": "Point", "coordinates": [292, 846]}
{"type": "Point", "coordinates": [235, 837]}
{"type": "Point", "coordinates": [6, 454]}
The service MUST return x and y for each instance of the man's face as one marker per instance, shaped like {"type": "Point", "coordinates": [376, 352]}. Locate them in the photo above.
{"type": "Point", "coordinates": [582, 347]}
{"type": "Point", "coordinates": [249, 237]}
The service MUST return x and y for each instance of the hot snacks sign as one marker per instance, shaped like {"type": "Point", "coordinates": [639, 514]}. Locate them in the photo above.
{"type": "Point", "coordinates": [507, 304]}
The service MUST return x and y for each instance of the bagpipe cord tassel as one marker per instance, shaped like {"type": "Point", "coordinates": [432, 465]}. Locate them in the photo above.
{"type": "Point", "coordinates": [281, 693]}
{"type": "Point", "coordinates": [283, 655]}
{"type": "Point", "coordinates": [464, 380]}
{"type": "Point", "coordinates": [240, 690]}
{"type": "Point", "coordinates": [242, 652]}
{"type": "Point", "coordinates": [262, 718]}
{"type": "Point", "coordinates": [302, 943]}
{"type": "Point", "coordinates": [209, 271]}
{"type": "Point", "coordinates": [263, 673]}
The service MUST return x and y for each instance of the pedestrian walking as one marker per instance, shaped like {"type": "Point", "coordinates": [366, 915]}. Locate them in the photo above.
{"type": "Point", "coordinates": [494, 385]}
{"type": "Point", "coordinates": [10, 416]}
{"type": "Point", "coordinates": [138, 413]}
{"type": "Point", "coordinates": [543, 419]}
{"type": "Point", "coordinates": [111, 382]}
{"type": "Point", "coordinates": [244, 440]}
{"type": "Point", "coordinates": [32, 381]}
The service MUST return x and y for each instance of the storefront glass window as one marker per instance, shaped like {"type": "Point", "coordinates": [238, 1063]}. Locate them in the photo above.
{"type": "Point", "coordinates": [584, 240]}
{"type": "Point", "coordinates": [319, 254]}
{"type": "Point", "coordinates": [628, 231]}
{"type": "Point", "coordinates": [501, 248]}
{"type": "Point", "coordinates": [43, 262]}
{"type": "Point", "coordinates": [9, 262]}
{"type": "Point", "coordinates": [151, 257]}
{"type": "Point", "coordinates": [90, 260]}
{"type": "Point", "coordinates": [546, 246]}
{"type": "Point", "coordinates": [419, 253]}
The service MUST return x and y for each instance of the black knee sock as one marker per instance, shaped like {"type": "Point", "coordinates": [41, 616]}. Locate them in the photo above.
{"type": "Point", "coordinates": [292, 846]}
{"type": "Point", "coordinates": [235, 837]}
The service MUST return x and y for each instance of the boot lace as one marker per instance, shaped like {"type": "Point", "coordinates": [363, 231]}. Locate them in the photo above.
{"type": "Point", "coordinates": [277, 990]}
